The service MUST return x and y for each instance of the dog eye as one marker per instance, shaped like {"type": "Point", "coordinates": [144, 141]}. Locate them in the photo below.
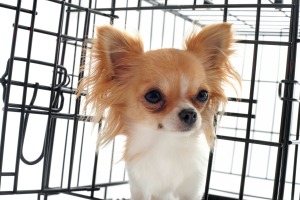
{"type": "Point", "coordinates": [202, 96]}
{"type": "Point", "coordinates": [153, 96]}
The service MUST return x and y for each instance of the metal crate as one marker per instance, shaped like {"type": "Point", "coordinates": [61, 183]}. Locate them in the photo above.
{"type": "Point", "coordinates": [47, 148]}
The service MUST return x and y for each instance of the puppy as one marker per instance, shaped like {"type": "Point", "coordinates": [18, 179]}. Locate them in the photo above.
{"type": "Point", "coordinates": [164, 101]}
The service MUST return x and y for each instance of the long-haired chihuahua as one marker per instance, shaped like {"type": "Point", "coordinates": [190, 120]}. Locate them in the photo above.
{"type": "Point", "coordinates": [164, 102]}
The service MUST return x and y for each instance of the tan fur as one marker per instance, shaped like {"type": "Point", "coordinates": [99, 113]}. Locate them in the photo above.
{"type": "Point", "coordinates": [120, 68]}
{"type": "Point", "coordinates": [110, 51]}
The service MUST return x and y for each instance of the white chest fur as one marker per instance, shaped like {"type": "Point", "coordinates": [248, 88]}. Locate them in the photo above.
{"type": "Point", "coordinates": [166, 166]}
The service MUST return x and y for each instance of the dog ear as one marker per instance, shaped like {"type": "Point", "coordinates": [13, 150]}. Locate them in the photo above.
{"type": "Point", "coordinates": [212, 44]}
{"type": "Point", "coordinates": [108, 66]}
{"type": "Point", "coordinates": [113, 48]}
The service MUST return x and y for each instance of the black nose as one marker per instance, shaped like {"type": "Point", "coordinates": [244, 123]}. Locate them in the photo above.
{"type": "Point", "coordinates": [188, 116]}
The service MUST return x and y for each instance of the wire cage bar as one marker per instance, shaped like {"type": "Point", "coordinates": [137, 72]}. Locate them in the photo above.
{"type": "Point", "coordinates": [47, 145]}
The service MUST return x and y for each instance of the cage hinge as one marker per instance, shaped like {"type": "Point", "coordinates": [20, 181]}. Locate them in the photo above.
{"type": "Point", "coordinates": [296, 90]}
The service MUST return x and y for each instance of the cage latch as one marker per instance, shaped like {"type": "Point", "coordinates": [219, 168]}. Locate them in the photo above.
{"type": "Point", "coordinates": [296, 90]}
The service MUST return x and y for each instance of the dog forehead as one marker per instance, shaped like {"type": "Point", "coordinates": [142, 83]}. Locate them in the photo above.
{"type": "Point", "coordinates": [171, 68]}
{"type": "Point", "coordinates": [173, 60]}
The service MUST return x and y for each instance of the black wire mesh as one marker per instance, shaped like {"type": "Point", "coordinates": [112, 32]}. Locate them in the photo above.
{"type": "Point", "coordinates": [41, 111]}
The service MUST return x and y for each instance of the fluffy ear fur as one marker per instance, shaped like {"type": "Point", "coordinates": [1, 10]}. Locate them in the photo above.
{"type": "Point", "coordinates": [109, 66]}
{"type": "Point", "coordinates": [212, 45]}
